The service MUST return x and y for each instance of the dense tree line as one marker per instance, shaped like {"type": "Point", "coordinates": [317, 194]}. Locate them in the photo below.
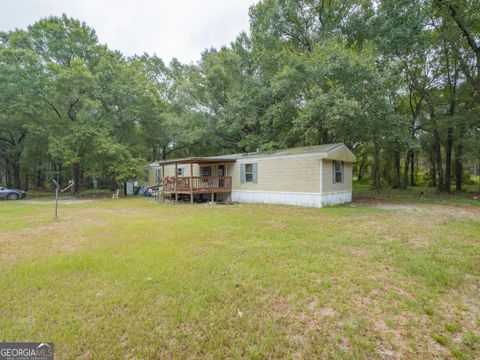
{"type": "Point", "coordinates": [398, 81]}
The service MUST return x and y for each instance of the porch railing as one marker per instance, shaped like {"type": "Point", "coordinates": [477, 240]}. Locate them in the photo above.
{"type": "Point", "coordinates": [197, 183]}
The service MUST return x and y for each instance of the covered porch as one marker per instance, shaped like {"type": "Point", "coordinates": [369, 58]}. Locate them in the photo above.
{"type": "Point", "coordinates": [197, 179]}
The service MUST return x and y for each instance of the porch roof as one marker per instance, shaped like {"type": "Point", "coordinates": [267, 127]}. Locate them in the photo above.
{"type": "Point", "coordinates": [197, 160]}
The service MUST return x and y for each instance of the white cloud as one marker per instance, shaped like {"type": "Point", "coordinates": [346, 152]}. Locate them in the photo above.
{"type": "Point", "coordinates": [169, 28]}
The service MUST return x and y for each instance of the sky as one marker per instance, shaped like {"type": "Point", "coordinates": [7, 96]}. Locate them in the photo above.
{"type": "Point", "coordinates": [168, 28]}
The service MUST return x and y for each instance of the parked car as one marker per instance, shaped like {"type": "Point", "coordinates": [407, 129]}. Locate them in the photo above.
{"type": "Point", "coordinates": [12, 194]}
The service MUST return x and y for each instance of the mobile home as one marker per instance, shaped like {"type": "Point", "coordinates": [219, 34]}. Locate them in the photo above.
{"type": "Point", "coordinates": [308, 176]}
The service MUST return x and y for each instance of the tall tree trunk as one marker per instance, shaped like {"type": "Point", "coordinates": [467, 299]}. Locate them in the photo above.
{"type": "Point", "coordinates": [376, 165]}
{"type": "Point", "coordinates": [412, 169]}
{"type": "Point", "coordinates": [154, 152]}
{"type": "Point", "coordinates": [458, 168]}
{"type": "Point", "coordinates": [433, 169]}
{"type": "Point", "coordinates": [16, 174]}
{"type": "Point", "coordinates": [361, 169]}
{"type": "Point", "coordinates": [113, 184]}
{"type": "Point", "coordinates": [436, 145]}
{"type": "Point", "coordinates": [405, 169]}
{"type": "Point", "coordinates": [25, 184]}
{"type": "Point", "coordinates": [448, 160]}
{"type": "Point", "coordinates": [82, 179]}
{"type": "Point", "coordinates": [54, 169]}
{"type": "Point", "coordinates": [61, 175]}
{"type": "Point", "coordinates": [397, 182]}
{"type": "Point", "coordinates": [438, 160]}
{"type": "Point", "coordinates": [8, 175]}
{"type": "Point", "coordinates": [458, 160]}
{"type": "Point", "coordinates": [76, 177]}
{"type": "Point", "coordinates": [452, 87]}
{"type": "Point", "coordinates": [38, 175]}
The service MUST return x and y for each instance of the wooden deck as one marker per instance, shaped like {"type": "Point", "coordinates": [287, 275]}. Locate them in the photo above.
{"type": "Point", "coordinates": [193, 185]}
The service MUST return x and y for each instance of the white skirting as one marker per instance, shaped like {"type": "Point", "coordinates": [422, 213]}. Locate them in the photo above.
{"type": "Point", "coordinates": [290, 198]}
{"type": "Point", "coordinates": [337, 198]}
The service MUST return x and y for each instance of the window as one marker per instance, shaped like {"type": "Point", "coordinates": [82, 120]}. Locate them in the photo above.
{"type": "Point", "coordinates": [180, 171]}
{"type": "Point", "coordinates": [146, 176]}
{"type": "Point", "coordinates": [337, 172]}
{"type": "Point", "coordinates": [248, 173]}
{"type": "Point", "coordinates": [158, 175]}
{"type": "Point", "coordinates": [206, 171]}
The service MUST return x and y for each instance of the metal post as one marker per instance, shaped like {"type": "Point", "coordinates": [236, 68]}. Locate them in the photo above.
{"type": "Point", "coordinates": [175, 183]}
{"type": "Point", "coordinates": [163, 183]}
{"type": "Point", "coordinates": [57, 190]}
{"type": "Point", "coordinates": [191, 183]}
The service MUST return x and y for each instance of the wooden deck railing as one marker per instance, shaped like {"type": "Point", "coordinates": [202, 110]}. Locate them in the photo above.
{"type": "Point", "coordinates": [197, 184]}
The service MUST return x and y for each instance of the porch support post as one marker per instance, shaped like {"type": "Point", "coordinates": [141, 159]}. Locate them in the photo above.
{"type": "Point", "coordinates": [163, 183]}
{"type": "Point", "coordinates": [191, 183]}
{"type": "Point", "coordinates": [175, 183]}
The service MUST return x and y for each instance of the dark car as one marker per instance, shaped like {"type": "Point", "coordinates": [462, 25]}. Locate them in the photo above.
{"type": "Point", "coordinates": [12, 194]}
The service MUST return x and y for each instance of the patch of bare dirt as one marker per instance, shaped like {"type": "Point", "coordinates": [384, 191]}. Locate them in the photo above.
{"type": "Point", "coordinates": [62, 201]}
{"type": "Point", "coordinates": [55, 235]}
{"type": "Point", "coordinates": [462, 307]}
{"type": "Point", "coordinates": [394, 339]}
{"type": "Point", "coordinates": [396, 333]}
{"type": "Point", "coordinates": [357, 251]}
{"type": "Point", "coordinates": [460, 211]}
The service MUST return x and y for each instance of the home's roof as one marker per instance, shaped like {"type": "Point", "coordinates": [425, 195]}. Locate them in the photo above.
{"type": "Point", "coordinates": [230, 156]}
{"type": "Point", "coordinates": [198, 160]}
{"type": "Point", "coordinates": [324, 149]}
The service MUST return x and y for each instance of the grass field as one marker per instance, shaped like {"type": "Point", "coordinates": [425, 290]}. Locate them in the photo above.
{"type": "Point", "coordinates": [134, 279]}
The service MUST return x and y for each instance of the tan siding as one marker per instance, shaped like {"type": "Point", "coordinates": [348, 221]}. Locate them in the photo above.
{"type": "Point", "coordinates": [328, 186]}
{"type": "Point", "coordinates": [151, 177]}
{"type": "Point", "coordinates": [294, 174]}
{"type": "Point", "coordinates": [231, 171]}
{"type": "Point", "coordinates": [170, 169]}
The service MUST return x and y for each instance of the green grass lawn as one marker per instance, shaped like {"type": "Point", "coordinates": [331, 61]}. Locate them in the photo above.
{"type": "Point", "coordinates": [134, 279]}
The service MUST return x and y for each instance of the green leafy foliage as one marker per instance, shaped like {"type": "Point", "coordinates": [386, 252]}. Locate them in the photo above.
{"type": "Point", "coordinates": [397, 81]}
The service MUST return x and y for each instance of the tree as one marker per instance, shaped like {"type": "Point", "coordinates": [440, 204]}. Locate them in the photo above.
{"type": "Point", "coordinates": [397, 81]}
{"type": "Point", "coordinates": [21, 78]}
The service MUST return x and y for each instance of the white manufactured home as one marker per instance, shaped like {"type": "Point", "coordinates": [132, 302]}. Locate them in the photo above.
{"type": "Point", "coordinates": [308, 176]}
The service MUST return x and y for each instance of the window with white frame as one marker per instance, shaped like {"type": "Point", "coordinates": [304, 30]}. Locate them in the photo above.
{"type": "Point", "coordinates": [158, 175]}
{"type": "Point", "coordinates": [337, 171]}
{"type": "Point", "coordinates": [180, 171]}
{"type": "Point", "coordinates": [248, 173]}
{"type": "Point", "coordinates": [146, 175]}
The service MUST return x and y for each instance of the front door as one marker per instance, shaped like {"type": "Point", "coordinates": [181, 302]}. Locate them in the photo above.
{"type": "Point", "coordinates": [206, 174]}
{"type": "Point", "coordinates": [221, 173]}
